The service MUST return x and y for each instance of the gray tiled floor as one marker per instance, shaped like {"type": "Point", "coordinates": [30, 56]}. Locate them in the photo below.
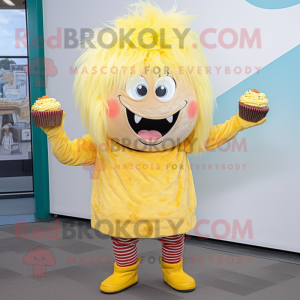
{"type": "Point", "coordinates": [82, 263]}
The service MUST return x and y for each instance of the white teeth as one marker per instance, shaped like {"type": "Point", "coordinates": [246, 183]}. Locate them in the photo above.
{"type": "Point", "coordinates": [170, 119]}
{"type": "Point", "coordinates": [137, 119]}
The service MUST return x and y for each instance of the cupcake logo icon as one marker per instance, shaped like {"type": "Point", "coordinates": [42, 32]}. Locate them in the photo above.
{"type": "Point", "coordinates": [41, 68]}
{"type": "Point", "coordinates": [95, 168]}
{"type": "Point", "coordinates": [39, 258]}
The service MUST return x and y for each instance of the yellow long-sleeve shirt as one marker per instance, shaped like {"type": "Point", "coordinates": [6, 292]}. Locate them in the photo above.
{"type": "Point", "coordinates": [141, 194]}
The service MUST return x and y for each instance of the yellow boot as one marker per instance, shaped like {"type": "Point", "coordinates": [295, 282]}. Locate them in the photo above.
{"type": "Point", "coordinates": [176, 278]}
{"type": "Point", "coordinates": [121, 279]}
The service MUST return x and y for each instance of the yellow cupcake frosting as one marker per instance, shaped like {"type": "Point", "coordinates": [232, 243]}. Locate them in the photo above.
{"type": "Point", "coordinates": [254, 98]}
{"type": "Point", "coordinates": [45, 104]}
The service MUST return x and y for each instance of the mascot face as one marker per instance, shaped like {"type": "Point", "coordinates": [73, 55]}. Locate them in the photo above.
{"type": "Point", "coordinates": [129, 102]}
{"type": "Point", "coordinates": [152, 113]}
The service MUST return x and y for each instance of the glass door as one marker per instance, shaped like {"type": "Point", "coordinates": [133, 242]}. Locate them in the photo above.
{"type": "Point", "coordinates": [15, 129]}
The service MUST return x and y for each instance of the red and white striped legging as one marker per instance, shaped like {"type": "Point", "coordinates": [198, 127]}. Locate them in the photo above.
{"type": "Point", "coordinates": [126, 252]}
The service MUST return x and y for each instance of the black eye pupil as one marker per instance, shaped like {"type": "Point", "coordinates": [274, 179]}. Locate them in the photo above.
{"type": "Point", "coordinates": [141, 90]}
{"type": "Point", "coordinates": [161, 91]}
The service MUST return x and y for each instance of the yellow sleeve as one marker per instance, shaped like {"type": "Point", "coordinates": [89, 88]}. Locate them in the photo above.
{"type": "Point", "coordinates": [78, 152]}
{"type": "Point", "coordinates": [222, 133]}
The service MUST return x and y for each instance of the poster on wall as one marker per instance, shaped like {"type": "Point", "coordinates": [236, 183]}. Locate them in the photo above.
{"type": "Point", "coordinates": [17, 67]}
{"type": "Point", "coordinates": [15, 131]}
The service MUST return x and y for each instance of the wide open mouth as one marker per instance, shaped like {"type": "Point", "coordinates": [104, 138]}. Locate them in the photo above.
{"type": "Point", "coordinates": [151, 129]}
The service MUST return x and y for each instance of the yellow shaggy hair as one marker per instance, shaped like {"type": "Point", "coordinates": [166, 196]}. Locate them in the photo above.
{"type": "Point", "coordinates": [92, 90]}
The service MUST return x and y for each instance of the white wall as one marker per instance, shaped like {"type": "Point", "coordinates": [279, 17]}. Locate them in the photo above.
{"type": "Point", "coordinates": [266, 197]}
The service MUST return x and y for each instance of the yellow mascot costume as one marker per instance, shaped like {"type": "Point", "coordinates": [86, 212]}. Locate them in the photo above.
{"type": "Point", "coordinates": [146, 106]}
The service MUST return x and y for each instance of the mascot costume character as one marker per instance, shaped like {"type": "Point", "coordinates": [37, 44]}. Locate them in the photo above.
{"type": "Point", "coordinates": [146, 107]}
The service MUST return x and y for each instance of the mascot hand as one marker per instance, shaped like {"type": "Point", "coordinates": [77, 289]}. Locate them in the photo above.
{"type": "Point", "coordinates": [247, 124]}
{"type": "Point", "coordinates": [52, 129]}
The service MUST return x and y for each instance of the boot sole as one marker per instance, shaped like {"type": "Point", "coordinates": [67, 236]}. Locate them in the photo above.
{"type": "Point", "coordinates": [110, 293]}
{"type": "Point", "coordinates": [181, 291]}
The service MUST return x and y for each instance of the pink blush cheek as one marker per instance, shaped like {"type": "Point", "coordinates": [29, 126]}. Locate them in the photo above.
{"type": "Point", "coordinates": [113, 108]}
{"type": "Point", "coordinates": [192, 109]}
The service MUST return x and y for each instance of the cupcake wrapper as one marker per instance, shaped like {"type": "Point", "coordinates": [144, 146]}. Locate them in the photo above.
{"type": "Point", "coordinates": [252, 114]}
{"type": "Point", "coordinates": [47, 118]}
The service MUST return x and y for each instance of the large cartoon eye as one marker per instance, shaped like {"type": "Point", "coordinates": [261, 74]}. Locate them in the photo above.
{"type": "Point", "coordinates": [137, 88]}
{"type": "Point", "coordinates": [165, 88]}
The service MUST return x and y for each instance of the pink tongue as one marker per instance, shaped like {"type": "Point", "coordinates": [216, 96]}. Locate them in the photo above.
{"type": "Point", "coordinates": [150, 135]}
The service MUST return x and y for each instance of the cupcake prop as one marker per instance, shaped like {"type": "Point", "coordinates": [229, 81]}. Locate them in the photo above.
{"type": "Point", "coordinates": [253, 106]}
{"type": "Point", "coordinates": [46, 112]}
